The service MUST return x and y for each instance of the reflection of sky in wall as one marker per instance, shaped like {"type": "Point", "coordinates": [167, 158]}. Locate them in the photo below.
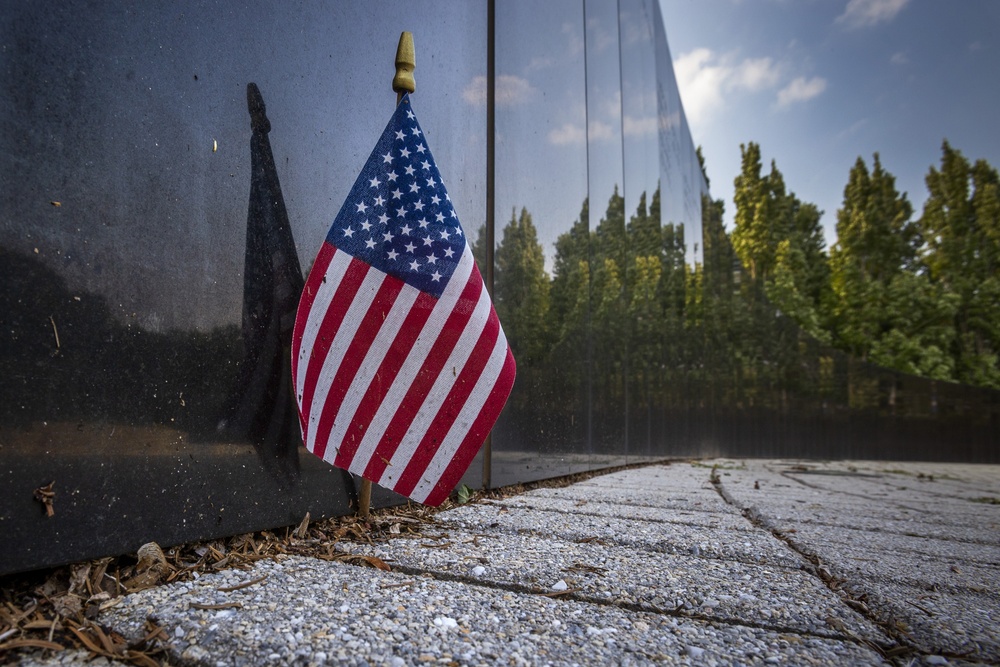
{"type": "Point", "coordinates": [113, 111]}
{"type": "Point", "coordinates": [639, 112]}
{"type": "Point", "coordinates": [603, 106]}
{"type": "Point", "coordinates": [556, 109]}
{"type": "Point", "coordinates": [541, 115]}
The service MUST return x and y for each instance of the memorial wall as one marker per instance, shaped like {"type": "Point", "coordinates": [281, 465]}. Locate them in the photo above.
{"type": "Point", "coordinates": [168, 173]}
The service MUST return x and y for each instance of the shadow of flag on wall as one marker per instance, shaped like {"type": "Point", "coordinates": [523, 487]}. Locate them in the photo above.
{"type": "Point", "coordinates": [261, 407]}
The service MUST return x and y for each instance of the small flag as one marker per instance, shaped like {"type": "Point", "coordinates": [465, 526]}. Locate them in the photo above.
{"type": "Point", "coordinates": [399, 363]}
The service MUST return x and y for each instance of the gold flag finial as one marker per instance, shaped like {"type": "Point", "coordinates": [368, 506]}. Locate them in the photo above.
{"type": "Point", "coordinates": [403, 82]}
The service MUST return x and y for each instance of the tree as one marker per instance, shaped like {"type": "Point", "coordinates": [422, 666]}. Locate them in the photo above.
{"type": "Point", "coordinates": [883, 306]}
{"type": "Point", "coordinates": [960, 226]}
{"type": "Point", "coordinates": [779, 240]}
{"type": "Point", "coordinates": [521, 294]}
{"type": "Point", "coordinates": [479, 249]}
{"type": "Point", "coordinates": [571, 269]}
{"type": "Point", "coordinates": [754, 236]}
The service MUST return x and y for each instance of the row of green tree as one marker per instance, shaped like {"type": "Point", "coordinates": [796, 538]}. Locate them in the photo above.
{"type": "Point", "coordinates": [916, 294]}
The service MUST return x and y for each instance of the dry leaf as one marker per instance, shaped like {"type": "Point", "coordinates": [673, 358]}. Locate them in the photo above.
{"type": "Point", "coordinates": [303, 530]}
{"type": "Point", "coordinates": [46, 496]}
{"type": "Point", "coordinates": [67, 605]}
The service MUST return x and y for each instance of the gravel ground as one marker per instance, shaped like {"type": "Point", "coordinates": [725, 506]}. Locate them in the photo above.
{"type": "Point", "coordinates": [669, 497]}
{"type": "Point", "coordinates": [730, 563]}
{"type": "Point", "coordinates": [770, 597]}
{"type": "Point", "coordinates": [682, 515]}
{"type": "Point", "coordinates": [314, 612]}
{"type": "Point", "coordinates": [757, 547]}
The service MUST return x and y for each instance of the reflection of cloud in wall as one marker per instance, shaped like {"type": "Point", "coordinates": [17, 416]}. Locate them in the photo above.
{"type": "Point", "coordinates": [639, 127]}
{"type": "Point", "coordinates": [598, 37]}
{"type": "Point", "coordinates": [600, 131]}
{"type": "Point", "coordinates": [800, 90]}
{"type": "Point", "coordinates": [636, 29]}
{"type": "Point", "coordinates": [572, 33]}
{"type": "Point", "coordinates": [899, 58]}
{"type": "Point", "coordinates": [511, 90]}
{"type": "Point", "coordinates": [670, 120]}
{"type": "Point", "coordinates": [866, 13]}
{"type": "Point", "coordinates": [539, 62]}
{"type": "Point", "coordinates": [570, 133]}
{"type": "Point", "coordinates": [566, 135]}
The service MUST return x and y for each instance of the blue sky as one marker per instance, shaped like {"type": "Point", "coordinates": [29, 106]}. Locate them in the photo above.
{"type": "Point", "coordinates": [819, 82]}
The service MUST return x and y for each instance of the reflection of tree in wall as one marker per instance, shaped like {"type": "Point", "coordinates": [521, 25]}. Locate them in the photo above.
{"type": "Point", "coordinates": [57, 337]}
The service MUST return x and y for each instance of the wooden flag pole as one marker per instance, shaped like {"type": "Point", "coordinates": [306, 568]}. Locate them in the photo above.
{"type": "Point", "coordinates": [402, 83]}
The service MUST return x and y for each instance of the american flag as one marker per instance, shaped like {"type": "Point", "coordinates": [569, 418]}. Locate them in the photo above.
{"type": "Point", "coordinates": [399, 362]}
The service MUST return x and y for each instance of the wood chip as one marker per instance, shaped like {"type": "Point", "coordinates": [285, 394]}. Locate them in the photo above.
{"type": "Point", "coordinates": [245, 584]}
{"type": "Point", "coordinates": [32, 643]}
{"type": "Point", "coordinates": [303, 530]}
{"type": "Point", "coordinates": [224, 605]}
{"type": "Point", "coordinates": [45, 494]}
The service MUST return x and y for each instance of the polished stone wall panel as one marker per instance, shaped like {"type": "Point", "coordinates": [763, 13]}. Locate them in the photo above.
{"type": "Point", "coordinates": [153, 239]}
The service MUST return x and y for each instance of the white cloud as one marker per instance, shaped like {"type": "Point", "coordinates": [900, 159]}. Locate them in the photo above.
{"type": "Point", "coordinates": [755, 74]}
{"type": "Point", "coordinates": [705, 77]}
{"type": "Point", "coordinates": [866, 13]}
{"type": "Point", "coordinates": [899, 58]}
{"type": "Point", "coordinates": [800, 90]}
{"type": "Point", "coordinates": [700, 79]}
{"type": "Point", "coordinates": [510, 91]}
{"type": "Point", "coordinates": [853, 129]}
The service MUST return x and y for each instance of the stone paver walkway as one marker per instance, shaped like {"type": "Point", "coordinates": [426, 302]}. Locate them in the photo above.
{"type": "Point", "coordinates": [708, 563]}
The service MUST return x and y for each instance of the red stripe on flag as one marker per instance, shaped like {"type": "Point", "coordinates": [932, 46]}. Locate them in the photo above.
{"type": "Point", "coordinates": [393, 361]}
{"type": "Point", "coordinates": [476, 436]}
{"type": "Point", "coordinates": [312, 286]}
{"type": "Point", "coordinates": [424, 380]}
{"type": "Point", "coordinates": [353, 356]}
{"type": "Point", "coordinates": [450, 408]}
{"type": "Point", "coordinates": [354, 275]}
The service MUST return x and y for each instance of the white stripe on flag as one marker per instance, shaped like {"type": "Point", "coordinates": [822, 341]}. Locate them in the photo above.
{"type": "Point", "coordinates": [413, 364]}
{"type": "Point", "coordinates": [439, 391]}
{"type": "Point", "coordinates": [366, 373]}
{"type": "Point", "coordinates": [360, 301]}
{"type": "Point", "coordinates": [327, 288]}
{"type": "Point", "coordinates": [473, 406]}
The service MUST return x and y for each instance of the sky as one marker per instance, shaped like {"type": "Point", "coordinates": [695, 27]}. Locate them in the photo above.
{"type": "Point", "coordinates": [818, 83]}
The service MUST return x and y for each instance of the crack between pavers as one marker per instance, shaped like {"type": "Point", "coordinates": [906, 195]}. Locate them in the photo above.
{"type": "Point", "coordinates": [790, 477]}
{"type": "Point", "coordinates": [925, 554]}
{"type": "Point", "coordinates": [637, 607]}
{"type": "Point", "coordinates": [567, 512]}
{"type": "Point", "coordinates": [508, 530]}
{"type": "Point", "coordinates": [882, 531]}
{"type": "Point", "coordinates": [887, 475]}
{"type": "Point", "coordinates": [903, 647]}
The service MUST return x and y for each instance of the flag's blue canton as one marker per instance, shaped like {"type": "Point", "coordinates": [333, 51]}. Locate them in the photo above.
{"type": "Point", "coordinates": [398, 217]}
